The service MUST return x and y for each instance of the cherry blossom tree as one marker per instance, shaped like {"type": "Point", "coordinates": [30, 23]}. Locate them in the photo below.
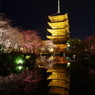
{"type": "Point", "coordinates": [90, 43]}
{"type": "Point", "coordinates": [9, 37]}
{"type": "Point", "coordinates": [31, 81]}
{"type": "Point", "coordinates": [48, 49]}
{"type": "Point", "coordinates": [32, 42]}
{"type": "Point", "coordinates": [46, 61]}
{"type": "Point", "coordinates": [48, 46]}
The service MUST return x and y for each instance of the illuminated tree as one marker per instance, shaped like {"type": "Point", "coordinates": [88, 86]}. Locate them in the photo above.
{"type": "Point", "coordinates": [10, 84]}
{"type": "Point", "coordinates": [48, 47]}
{"type": "Point", "coordinates": [32, 81]}
{"type": "Point", "coordinates": [90, 47]}
{"type": "Point", "coordinates": [90, 43]}
{"type": "Point", "coordinates": [10, 68]}
{"type": "Point", "coordinates": [77, 53]}
{"type": "Point", "coordinates": [32, 42]}
{"type": "Point", "coordinates": [9, 37]}
{"type": "Point", "coordinates": [75, 47]}
{"type": "Point", "coordinates": [46, 61]}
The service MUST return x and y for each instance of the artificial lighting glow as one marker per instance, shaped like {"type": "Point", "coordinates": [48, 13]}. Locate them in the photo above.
{"type": "Point", "coordinates": [51, 50]}
{"type": "Point", "coordinates": [19, 61]}
{"type": "Point", "coordinates": [74, 56]}
{"type": "Point", "coordinates": [68, 45]}
{"type": "Point", "coordinates": [21, 48]}
{"type": "Point", "coordinates": [68, 64]}
{"type": "Point", "coordinates": [51, 58]}
{"type": "Point", "coordinates": [27, 56]}
{"type": "Point", "coordinates": [20, 67]}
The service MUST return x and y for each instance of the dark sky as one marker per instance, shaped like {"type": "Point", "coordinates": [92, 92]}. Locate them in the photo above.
{"type": "Point", "coordinates": [32, 14]}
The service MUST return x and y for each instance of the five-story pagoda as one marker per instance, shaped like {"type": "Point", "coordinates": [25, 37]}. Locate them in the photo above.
{"type": "Point", "coordinates": [60, 76]}
{"type": "Point", "coordinates": [59, 28]}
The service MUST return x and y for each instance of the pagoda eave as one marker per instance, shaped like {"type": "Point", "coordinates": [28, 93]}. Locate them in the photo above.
{"type": "Point", "coordinates": [58, 39]}
{"type": "Point", "coordinates": [58, 17]}
{"type": "Point", "coordinates": [62, 31]}
{"type": "Point", "coordinates": [58, 24]}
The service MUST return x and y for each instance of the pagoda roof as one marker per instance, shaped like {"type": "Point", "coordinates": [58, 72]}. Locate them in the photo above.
{"type": "Point", "coordinates": [54, 25]}
{"type": "Point", "coordinates": [58, 38]}
{"type": "Point", "coordinates": [57, 14]}
{"type": "Point", "coordinates": [59, 31]}
{"type": "Point", "coordinates": [58, 17]}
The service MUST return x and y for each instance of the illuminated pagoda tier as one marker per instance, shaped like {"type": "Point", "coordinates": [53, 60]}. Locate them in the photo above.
{"type": "Point", "coordinates": [59, 78]}
{"type": "Point", "coordinates": [59, 28]}
{"type": "Point", "coordinates": [59, 75]}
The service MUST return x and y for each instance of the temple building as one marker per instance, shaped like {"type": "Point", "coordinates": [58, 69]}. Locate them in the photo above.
{"type": "Point", "coordinates": [59, 28]}
{"type": "Point", "coordinates": [59, 34]}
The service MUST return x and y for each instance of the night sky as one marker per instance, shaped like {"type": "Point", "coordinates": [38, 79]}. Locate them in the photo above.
{"type": "Point", "coordinates": [33, 14]}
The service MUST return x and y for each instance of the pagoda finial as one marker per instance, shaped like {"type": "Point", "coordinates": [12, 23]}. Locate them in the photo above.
{"type": "Point", "coordinates": [58, 6]}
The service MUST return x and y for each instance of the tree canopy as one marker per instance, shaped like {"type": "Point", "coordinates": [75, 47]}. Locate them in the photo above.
{"type": "Point", "coordinates": [14, 39]}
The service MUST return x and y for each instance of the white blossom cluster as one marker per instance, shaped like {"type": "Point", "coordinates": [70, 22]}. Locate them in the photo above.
{"type": "Point", "coordinates": [10, 38]}
{"type": "Point", "coordinates": [48, 45]}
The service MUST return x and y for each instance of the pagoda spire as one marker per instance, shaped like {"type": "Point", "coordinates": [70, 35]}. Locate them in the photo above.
{"type": "Point", "coordinates": [58, 6]}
